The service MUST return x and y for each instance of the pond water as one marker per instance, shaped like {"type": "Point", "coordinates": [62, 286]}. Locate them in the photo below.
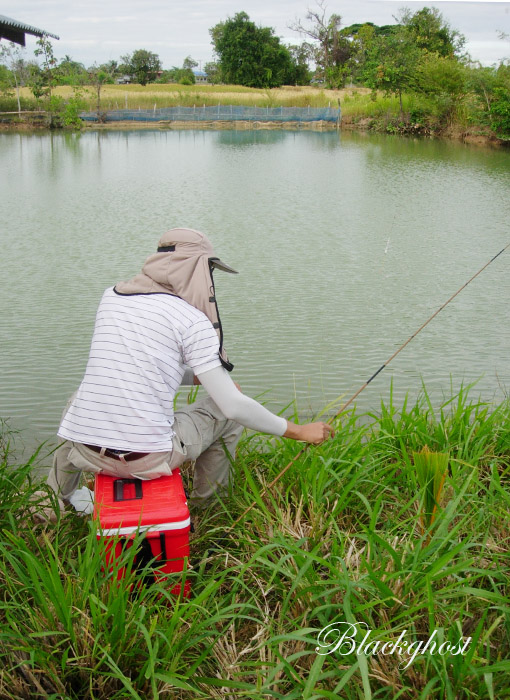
{"type": "Point", "coordinates": [345, 243]}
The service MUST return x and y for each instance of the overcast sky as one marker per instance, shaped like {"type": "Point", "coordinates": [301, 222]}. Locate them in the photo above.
{"type": "Point", "coordinates": [99, 30]}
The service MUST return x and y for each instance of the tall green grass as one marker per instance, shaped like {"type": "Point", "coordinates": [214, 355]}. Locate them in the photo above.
{"type": "Point", "coordinates": [337, 539]}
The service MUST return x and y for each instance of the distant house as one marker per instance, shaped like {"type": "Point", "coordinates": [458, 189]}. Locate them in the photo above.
{"type": "Point", "coordinates": [200, 76]}
{"type": "Point", "coordinates": [123, 80]}
{"type": "Point", "coordinates": [13, 30]}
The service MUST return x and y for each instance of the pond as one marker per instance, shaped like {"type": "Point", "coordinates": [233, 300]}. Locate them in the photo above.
{"type": "Point", "coordinates": [345, 243]}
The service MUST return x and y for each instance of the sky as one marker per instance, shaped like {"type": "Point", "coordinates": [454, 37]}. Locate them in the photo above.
{"type": "Point", "coordinates": [95, 31]}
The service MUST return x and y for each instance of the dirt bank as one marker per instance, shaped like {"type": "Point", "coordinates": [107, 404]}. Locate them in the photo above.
{"type": "Point", "coordinates": [476, 136]}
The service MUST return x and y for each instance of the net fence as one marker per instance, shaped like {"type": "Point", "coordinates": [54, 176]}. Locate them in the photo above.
{"type": "Point", "coordinates": [218, 113]}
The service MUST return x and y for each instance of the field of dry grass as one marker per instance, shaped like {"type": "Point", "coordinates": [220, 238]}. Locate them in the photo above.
{"type": "Point", "coordinates": [171, 95]}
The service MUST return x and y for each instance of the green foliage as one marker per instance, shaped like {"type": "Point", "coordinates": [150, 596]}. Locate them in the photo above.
{"type": "Point", "coordinates": [45, 80]}
{"type": "Point", "coordinates": [72, 108]}
{"type": "Point", "coordinates": [431, 472]}
{"type": "Point", "coordinates": [143, 65]}
{"type": "Point", "coordinates": [431, 33]}
{"type": "Point", "coordinates": [398, 58]}
{"type": "Point", "coordinates": [71, 72]}
{"type": "Point", "coordinates": [329, 49]}
{"type": "Point", "coordinates": [250, 55]}
{"type": "Point", "coordinates": [338, 538]}
{"type": "Point", "coordinates": [183, 76]}
{"type": "Point", "coordinates": [213, 72]}
{"type": "Point", "coordinates": [501, 111]}
{"type": "Point", "coordinates": [445, 81]}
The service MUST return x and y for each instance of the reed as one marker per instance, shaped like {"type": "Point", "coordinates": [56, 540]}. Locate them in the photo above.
{"type": "Point", "coordinates": [337, 539]}
{"type": "Point", "coordinates": [431, 470]}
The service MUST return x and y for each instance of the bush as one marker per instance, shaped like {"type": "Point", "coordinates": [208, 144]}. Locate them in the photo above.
{"type": "Point", "coordinates": [501, 112]}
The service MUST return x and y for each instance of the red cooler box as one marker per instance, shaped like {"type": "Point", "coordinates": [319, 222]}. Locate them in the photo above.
{"type": "Point", "coordinates": [157, 507]}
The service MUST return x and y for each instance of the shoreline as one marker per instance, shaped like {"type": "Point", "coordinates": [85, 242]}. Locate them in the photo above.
{"type": "Point", "coordinates": [474, 137]}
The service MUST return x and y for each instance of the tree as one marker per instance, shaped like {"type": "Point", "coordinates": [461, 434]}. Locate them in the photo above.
{"type": "Point", "coordinates": [431, 32]}
{"type": "Point", "coordinates": [331, 51]}
{"type": "Point", "coordinates": [71, 72]}
{"type": "Point", "coordinates": [98, 77]}
{"type": "Point", "coordinates": [492, 87]}
{"type": "Point", "coordinates": [444, 80]}
{"type": "Point", "coordinates": [250, 55]}
{"type": "Point", "coordinates": [213, 72]}
{"type": "Point", "coordinates": [300, 60]}
{"type": "Point", "coordinates": [183, 76]}
{"type": "Point", "coordinates": [189, 63]}
{"type": "Point", "coordinates": [13, 57]}
{"type": "Point", "coordinates": [143, 65]}
{"type": "Point", "coordinates": [43, 81]}
{"type": "Point", "coordinates": [397, 59]}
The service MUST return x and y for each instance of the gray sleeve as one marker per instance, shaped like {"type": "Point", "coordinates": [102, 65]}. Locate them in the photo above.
{"type": "Point", "coordinates": [188, 377]}
{"type": "Point", "coordinates": [239, 407]}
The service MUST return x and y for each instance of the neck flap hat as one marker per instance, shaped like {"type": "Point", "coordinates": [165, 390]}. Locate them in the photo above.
{"type": "Point", "coordinates": [183, 267]}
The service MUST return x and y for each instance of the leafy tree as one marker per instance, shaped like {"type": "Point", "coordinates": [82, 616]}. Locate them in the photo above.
{"type": "Point", "coordinates": [444, 80]}
{"type": "Point", "coordinates": [213, 72]}
{"type": "Point", "coordinates": [250, 55]}
{"type": "Point", "coordinates": [492, 87]}
{"type": "Point", "coordinates": [17, 72]}
{"type": "Point", "coordinates": [143, 65]}
{"type": "Point", "coordinates": [330, 50]}
{"type": "Point", "coordinates": [189, 63]}
{"type": "Point", "coordinates": [483, 80]}
{"type": "Point", "coordinates": [110, 67]}
{"type": "Point", "coordinates": [71, 72]}
{"type": "Point", "coordinates": [366, 44]}
{"type": "Point", "coordinates": [397, 58]}
{"type": "Point", "coordinates": [98, 77]}
{"type": "Point", "coordinates": [183, 76]}
{"type": "Point", "coordinates": [501, 111]}
{"type": "Point", "coordinates": [430, 32]}
{"type": "Point", "coordinates": [300, 56]}
{"type": "Point", "coordinates": [44, 80]}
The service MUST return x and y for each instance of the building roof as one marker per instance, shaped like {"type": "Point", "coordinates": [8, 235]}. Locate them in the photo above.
{"type": "Point", "coordinates": [13, 30]}
{"type": "Point", "coordinates": [199, 73]}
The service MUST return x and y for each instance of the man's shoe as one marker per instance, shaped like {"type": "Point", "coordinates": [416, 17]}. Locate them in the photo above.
{"type": "Point", "coordinates": [43, 508]}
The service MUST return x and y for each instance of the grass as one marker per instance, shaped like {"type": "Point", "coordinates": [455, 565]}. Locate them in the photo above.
{"type": "Point", "coordinates": [360, 106]}
{"type": "Point", "coordinates": [337, 540]}
{"type": "Point", "coordinates": [173, 95]}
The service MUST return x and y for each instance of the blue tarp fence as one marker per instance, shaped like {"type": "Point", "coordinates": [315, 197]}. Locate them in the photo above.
{"type": "Point", "coordinates": [219, 113]}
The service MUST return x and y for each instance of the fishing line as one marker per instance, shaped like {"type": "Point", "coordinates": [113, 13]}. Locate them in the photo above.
{"type": "Point", "coordinates": [374, 375]}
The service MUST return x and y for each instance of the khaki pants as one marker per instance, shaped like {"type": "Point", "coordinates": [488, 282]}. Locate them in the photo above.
{"type": "Point", "coordinates": [202, 434]}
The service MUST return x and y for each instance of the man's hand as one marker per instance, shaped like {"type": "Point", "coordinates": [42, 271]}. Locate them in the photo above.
{"type": "Point", "coordinates": [314, 433]}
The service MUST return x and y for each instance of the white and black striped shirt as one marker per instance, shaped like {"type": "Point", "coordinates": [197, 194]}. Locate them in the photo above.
{"type": "Point", "coordinates": [139, 348]}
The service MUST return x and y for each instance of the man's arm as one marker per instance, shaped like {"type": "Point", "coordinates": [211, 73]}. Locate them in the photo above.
{"type": "Point", "coordinates": [248, 412]}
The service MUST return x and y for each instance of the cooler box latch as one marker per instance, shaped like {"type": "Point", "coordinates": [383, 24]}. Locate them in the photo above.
{"type": "Point", "coordinates": [127, 489]}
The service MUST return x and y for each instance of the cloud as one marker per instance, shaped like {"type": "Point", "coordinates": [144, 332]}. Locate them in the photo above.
{"type": "Point", "coordinates": [101, 20]}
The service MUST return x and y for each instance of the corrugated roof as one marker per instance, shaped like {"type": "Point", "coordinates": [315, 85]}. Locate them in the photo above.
{"type": "Point", "coordinates": [14, 30]}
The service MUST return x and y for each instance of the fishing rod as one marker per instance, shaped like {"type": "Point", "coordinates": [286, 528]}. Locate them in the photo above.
{"type": "Point", "coordinates": [364, 386]}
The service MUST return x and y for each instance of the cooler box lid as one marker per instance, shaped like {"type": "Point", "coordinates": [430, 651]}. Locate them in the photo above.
{"type": "Point", "coordinates": [123, 506]}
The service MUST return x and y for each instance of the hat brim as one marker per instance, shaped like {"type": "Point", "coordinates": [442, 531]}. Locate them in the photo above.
{"type": "Point", "coordinates": [217, 263]}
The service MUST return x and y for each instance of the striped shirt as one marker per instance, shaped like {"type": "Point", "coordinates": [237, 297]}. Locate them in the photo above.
{"type": "Point", "coordinates": [136, 363]}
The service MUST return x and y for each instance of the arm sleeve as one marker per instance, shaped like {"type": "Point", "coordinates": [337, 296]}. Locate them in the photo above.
{"type": "Point", "coordinates": [188, 377]}
{"type": "Point", "coordinates": [237, 406]}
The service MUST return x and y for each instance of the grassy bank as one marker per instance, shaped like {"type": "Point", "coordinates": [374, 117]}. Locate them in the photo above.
{"type": "Point", "coordinates": [361, 109]}
{"type": "Point", "coordinates": [338, 539]}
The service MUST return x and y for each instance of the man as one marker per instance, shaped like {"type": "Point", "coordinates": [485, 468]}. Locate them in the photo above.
{"type": "Point", "coordinates": [152, 333]}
